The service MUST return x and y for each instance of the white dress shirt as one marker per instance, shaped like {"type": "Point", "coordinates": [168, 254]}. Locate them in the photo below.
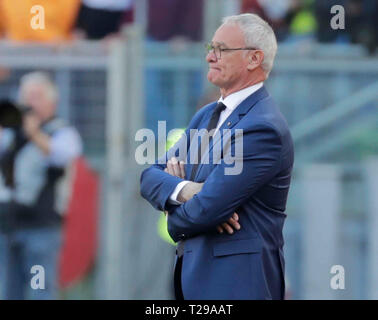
{"type": "Point", "coordinates": [231, 102]}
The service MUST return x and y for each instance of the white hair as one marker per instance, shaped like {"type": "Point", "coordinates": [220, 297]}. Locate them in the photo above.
{"type": "Point", "coordinates": [42, 79]}
{"type": "Point", "coordinates": [258, 34]}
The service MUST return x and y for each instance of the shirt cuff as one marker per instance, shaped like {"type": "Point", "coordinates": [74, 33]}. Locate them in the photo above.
{"type": "Point", "coordinates": [175, 193]}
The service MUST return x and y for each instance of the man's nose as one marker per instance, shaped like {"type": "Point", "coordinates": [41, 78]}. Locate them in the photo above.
{"type": "Point", "coordinates": [211, 57]}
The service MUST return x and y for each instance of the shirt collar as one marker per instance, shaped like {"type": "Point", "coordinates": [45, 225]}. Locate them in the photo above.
{"type": "Point", "coordinates": [234, 99]}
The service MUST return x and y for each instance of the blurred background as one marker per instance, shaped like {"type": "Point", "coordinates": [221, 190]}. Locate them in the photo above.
{"type": "Point", "coordinates": [124, 65]}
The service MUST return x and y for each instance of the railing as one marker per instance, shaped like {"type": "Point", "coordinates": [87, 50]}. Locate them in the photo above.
{"type": "Point", "coordinates": [330, 130]}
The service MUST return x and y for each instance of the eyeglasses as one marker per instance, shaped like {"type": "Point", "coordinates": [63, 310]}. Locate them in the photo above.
{"type": "Point", "coordinates": [218, 50]}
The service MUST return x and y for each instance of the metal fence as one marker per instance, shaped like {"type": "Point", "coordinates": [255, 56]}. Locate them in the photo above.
{"type": "Point", "coordinates": [109, 93]}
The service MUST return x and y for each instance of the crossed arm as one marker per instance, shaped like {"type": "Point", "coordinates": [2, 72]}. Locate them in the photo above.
{"type": "Point", "coordinates": [221, 194]}
{"type": "Point", "coordinates": [177, 168]}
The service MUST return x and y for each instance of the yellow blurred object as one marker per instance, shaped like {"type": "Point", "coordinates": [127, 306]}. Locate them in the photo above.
{"type": "Point", "coordinates": [173, 137]}
{"type": "Point", "coordinates": [163, 231]}
{"type": "Point", "coordinates": [59, 16]}
{"type": "Point", "coordinates": [303, 23]}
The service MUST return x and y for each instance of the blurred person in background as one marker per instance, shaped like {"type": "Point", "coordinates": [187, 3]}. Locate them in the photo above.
{"type": "Point", "coordinates": [177, 24]}
{"type": "Point", "coordinates": [273, 11]}
{"type": "Point", "coordinates": [34, 161]}
{"type": "Point", "coordinates": [59, 19]}
{"type": "Point", "coordinates": [361, 17]}
{"type": "Point", "coordinates": [302, 21]}
{"type": "Point", "coordinates": [323, 16]}
{"type": "Point", "coordinates": [230, 225]}
{"type": "Point", "coordinates": [291, 20]}
{"type": "Point", "coordinates": [173, 19]}
{"type": "Point", "coordinates": [103, 18]}
{"type": "Point", "coordinates": [361, 23]}
{"type": "Point", "coordinates": [4, 76]}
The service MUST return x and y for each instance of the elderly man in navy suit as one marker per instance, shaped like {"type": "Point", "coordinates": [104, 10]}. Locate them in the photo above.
{"type": "Point", "coordinates": [228, 217]}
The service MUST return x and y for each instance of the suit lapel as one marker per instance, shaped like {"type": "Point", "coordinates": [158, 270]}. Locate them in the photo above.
{"type": "Point", "coordinates": [241, 110]}
{"type": "Point", "coordinates": [202, 125]}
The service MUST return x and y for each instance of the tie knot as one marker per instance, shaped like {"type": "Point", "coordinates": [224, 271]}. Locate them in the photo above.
{"type": "Point", "coordinates": [215, 116]}
{"type": "Point", "coordinates": [220, 107]}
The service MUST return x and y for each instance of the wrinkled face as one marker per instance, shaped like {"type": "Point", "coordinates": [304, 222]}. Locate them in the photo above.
{"type": "Point", "coordinates": [231, 69]}
{"type": "Point", "coordinates": [36, 97]}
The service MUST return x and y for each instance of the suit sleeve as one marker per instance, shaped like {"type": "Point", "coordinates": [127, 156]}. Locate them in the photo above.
{"type": "Point", "coordinates": [155, 184]}
{"type": "Point", "coordinates": [223, 193]}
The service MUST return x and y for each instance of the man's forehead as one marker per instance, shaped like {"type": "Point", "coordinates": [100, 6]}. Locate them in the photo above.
{"type": "Point", "coordinates": [227, 35]}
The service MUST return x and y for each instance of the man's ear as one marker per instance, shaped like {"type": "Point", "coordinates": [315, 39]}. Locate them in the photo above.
{"type": "Point", "coordinates": [255, 59]}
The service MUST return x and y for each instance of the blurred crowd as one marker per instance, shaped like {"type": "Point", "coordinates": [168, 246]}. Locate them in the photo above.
{"type": "Point", "coordinates": [63, 19]}
{"type": "Point", "coordinates": [170, 19]}
{"type": "Point", "coordinates": [297, 19]}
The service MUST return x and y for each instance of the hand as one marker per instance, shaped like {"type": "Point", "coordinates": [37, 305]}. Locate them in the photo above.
{"type": "Point", "coordinates": [175, 168]}
{"type": "Point", "coordinates": [31, 124]}
{"type": "Point", "coordinates": [231, 224]}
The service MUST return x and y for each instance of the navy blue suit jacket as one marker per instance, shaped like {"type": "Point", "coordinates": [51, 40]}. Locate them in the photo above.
{"type": "Point", "coordinates": [248, 264]}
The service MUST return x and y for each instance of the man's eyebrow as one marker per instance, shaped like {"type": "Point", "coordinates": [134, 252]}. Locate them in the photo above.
{"type": "Point", "coordinates": [220, 43]}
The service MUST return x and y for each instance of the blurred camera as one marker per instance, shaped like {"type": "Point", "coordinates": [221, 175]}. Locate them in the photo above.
{"type": "Point", "coordinates": [11, 114]}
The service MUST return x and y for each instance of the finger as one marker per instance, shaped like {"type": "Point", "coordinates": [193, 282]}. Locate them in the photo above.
{"type": "Point", "coordinates": [170, 168]}
{"type": "Point", "coordinates": [227, 228]}
{"type": "Point", "coordinates": [176, 167]}
{"type": "Point", "coordinates": [234, 223]}
{"type": "Point", "coordinates": [235, 216]}
{"type": "Point", "coordinates": [182, 169]}
{"type": "Point", "coordinates": [220, 229]}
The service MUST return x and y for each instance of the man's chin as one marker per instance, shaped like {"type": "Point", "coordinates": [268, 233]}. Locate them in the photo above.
{"type": "Point", "coordinates": [212, 78]}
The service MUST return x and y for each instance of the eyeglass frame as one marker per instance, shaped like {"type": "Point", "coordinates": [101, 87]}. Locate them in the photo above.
{"type": "Point", "coordinates": [210, 47]}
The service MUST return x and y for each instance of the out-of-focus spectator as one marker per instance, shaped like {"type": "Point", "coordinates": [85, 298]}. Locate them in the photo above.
{"type": "Point", "coordinates": [273, 11]}
{"type": "Point", "coordinates": [361, 24]}
{"type": "Point", "coordinates": [101, 18]}
{"type": "Point", "coordinates": [172, 18]}
{"type": "Point", "coordinates": [4, 73]}
{"type": "Point", "coordinates": [290, 19]}
{"type": "Point", "coordinates": [302, 20]}
{"type": "Point", "coordinates": [35, 158]}
{"type": "Point", "coordinates": [177, 23]}
{"type": "Point", "coordinates": [323, 16]}
{"type": "Point", "coordinates": [361, 16]}
{"type": "Point", "coordinates": [59, 17]}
